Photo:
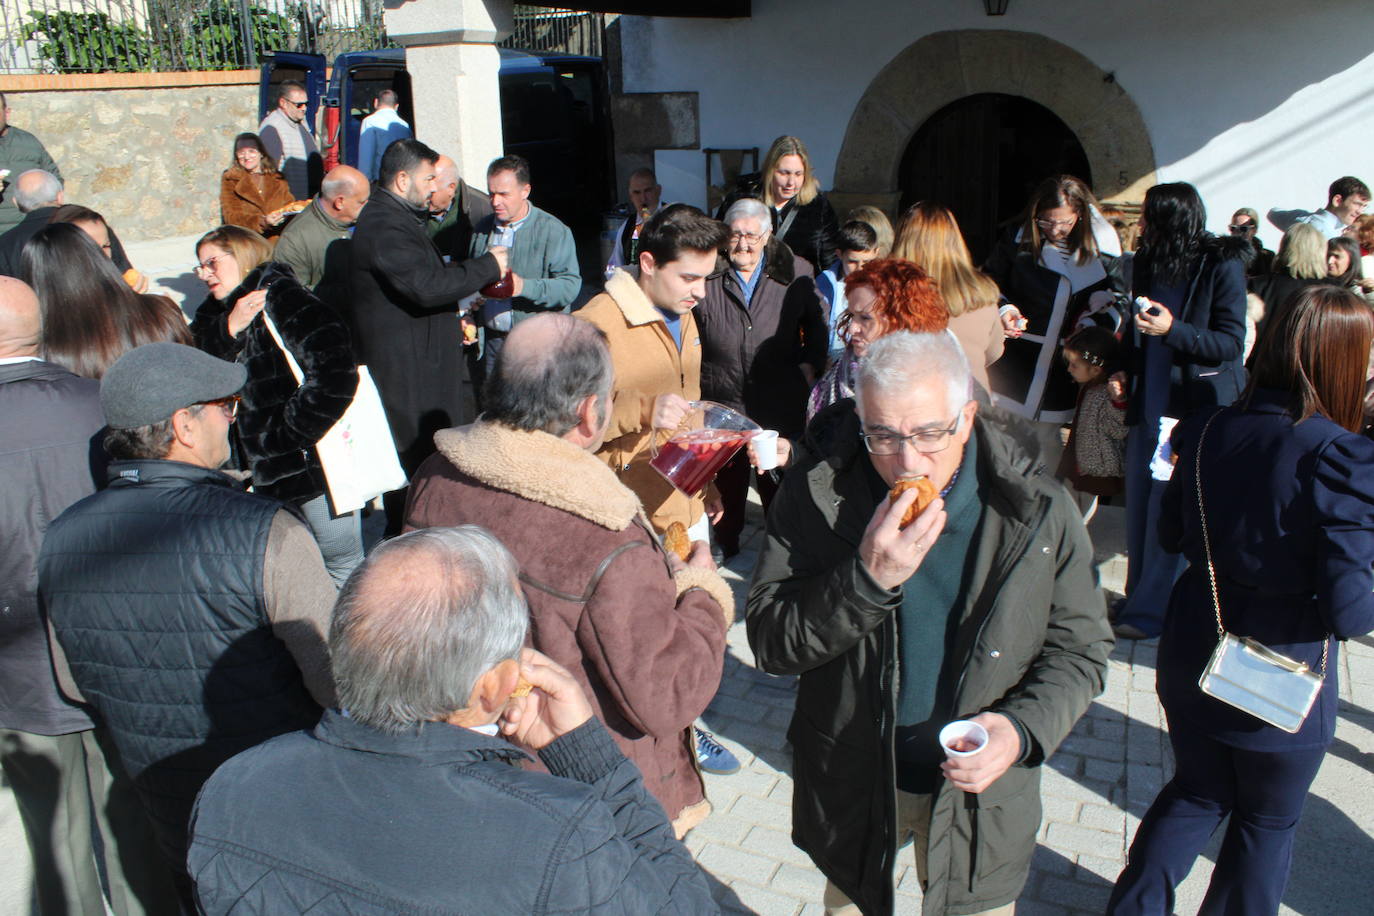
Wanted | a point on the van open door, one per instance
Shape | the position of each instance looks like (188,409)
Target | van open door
(357,79)
(280,66)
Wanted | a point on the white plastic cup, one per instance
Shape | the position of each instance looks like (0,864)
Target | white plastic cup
(765,445)
(961,731)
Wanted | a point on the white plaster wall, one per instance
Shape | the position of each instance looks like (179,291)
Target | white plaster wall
(1258,102)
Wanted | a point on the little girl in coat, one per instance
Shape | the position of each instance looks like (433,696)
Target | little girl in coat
(1094,457)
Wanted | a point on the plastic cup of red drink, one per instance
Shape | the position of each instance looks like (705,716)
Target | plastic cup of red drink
(963,738)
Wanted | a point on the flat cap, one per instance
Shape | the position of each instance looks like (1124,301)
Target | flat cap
(150,383)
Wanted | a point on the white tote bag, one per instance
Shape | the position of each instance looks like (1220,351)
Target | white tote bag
(358,454)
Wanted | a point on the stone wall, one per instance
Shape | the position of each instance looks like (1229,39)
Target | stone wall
(147,157)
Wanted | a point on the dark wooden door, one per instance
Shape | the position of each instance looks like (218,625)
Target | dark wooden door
(982,156)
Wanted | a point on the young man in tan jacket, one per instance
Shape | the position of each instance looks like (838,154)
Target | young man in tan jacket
(656,350)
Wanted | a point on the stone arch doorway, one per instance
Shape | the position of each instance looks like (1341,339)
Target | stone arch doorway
(945,67)
(982,155)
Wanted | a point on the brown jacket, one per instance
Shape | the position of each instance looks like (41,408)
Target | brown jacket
(241,203)
(646,646)
(647,364)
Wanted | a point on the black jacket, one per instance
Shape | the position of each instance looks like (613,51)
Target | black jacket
(280,421)
(439,820)
(1277,288)
(1031,641)
(50,421)
(155,590)
(1207,338)
(751,353)
(452,235)
(404,311)
(812,234)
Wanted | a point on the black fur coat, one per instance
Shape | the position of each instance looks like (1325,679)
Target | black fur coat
(279,421)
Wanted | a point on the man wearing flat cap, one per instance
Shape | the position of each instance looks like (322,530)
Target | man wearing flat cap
(192,615)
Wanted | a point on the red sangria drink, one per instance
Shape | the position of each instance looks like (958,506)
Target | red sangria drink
(502,288)
(690,460)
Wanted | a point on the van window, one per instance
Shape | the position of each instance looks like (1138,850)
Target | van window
(367,82)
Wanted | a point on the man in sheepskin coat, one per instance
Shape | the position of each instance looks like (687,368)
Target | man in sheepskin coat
(641,631)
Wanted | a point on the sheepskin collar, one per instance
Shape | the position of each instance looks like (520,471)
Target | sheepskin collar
(542,468)
(634,305)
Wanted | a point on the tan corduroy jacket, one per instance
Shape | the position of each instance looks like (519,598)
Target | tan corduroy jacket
(647,364)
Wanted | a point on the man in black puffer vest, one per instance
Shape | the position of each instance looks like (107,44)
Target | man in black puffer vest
(192,614)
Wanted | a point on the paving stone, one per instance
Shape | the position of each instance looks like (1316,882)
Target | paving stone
(806,882)
(1100,817)
(1109,771)
(776,844)
(761,812)
(1098,748)
(1080,840)
(766,902)
(1078,894)
(1104,867)
(729,862)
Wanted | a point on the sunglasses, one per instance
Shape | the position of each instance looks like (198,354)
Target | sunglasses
(298,104)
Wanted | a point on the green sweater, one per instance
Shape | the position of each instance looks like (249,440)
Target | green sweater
(19,152)
(544,257)
(925,630)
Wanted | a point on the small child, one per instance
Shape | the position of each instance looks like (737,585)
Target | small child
(1094,458)
(857,246)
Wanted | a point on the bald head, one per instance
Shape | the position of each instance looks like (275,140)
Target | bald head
(21,323)
(343,193)
(446,185)
(549,365)
(37,188)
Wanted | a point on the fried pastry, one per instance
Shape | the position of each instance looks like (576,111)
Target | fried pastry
(925,495)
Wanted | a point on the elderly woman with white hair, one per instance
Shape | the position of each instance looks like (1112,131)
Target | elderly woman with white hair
(763,345)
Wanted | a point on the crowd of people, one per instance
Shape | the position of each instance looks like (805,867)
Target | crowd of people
(494,708)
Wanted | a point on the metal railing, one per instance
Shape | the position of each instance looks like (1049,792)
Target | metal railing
(565,31)
(125,36)
(130,36)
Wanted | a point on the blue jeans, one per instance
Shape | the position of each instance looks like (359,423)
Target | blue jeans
(1150,570)
(1262,791)
(340,538)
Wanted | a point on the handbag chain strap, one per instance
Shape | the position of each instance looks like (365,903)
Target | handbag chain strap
(1207,543)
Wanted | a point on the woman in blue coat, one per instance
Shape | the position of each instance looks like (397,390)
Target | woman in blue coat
(1185,351)
(1288,492)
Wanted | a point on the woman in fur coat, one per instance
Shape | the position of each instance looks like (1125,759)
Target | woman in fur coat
(252,193)
(279,421)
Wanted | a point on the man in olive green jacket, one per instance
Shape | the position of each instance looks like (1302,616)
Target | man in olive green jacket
(984,607)
(315,242)
(19,152)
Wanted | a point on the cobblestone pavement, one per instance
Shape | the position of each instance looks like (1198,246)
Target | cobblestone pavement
(1095,788)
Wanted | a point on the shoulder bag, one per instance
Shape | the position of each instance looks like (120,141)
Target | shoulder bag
(1244,672)
(358,454)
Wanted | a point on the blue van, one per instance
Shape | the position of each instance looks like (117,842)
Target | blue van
(554,111)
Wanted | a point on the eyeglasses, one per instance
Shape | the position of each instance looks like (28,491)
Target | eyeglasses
(208,265)
(297,104)
(1056,223)
(229,405)
(753,238)
(925,441)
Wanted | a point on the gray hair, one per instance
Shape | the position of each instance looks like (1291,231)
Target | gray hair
(41,190)
(904,359)
(748,207)
(539,388)
(139,443)
(420,621)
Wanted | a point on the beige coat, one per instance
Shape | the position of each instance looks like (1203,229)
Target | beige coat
(647,364)
(980,334)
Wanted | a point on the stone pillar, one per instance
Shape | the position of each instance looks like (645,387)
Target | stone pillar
(453,64)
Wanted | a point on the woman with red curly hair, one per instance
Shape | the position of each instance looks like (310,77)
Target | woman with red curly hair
(883,296)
